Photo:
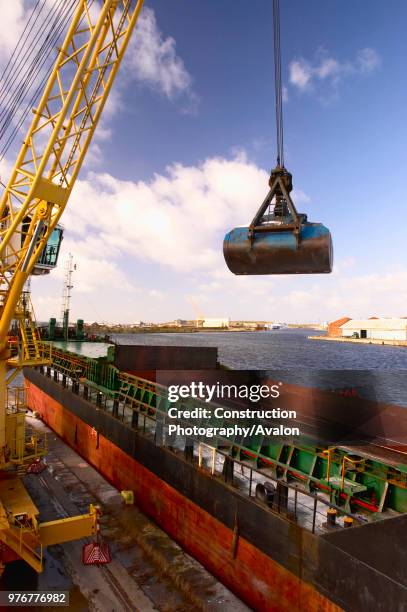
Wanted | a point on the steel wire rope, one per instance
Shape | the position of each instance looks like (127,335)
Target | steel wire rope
(277,83)
(32,71)
(22,93)
(37,91)
(39,88)
(15,75)
(6,75)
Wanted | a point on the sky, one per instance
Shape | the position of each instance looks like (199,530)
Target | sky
(186,145)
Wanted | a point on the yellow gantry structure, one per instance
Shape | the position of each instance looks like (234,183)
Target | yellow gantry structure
(42,180)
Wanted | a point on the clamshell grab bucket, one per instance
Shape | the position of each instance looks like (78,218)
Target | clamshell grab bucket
(279,252)
(279,240)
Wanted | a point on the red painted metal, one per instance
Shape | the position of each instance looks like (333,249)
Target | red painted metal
(36,467)
(96,553)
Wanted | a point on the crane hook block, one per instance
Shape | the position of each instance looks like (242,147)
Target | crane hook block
(279,240)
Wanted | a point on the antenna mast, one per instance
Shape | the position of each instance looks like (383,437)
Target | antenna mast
(66,295)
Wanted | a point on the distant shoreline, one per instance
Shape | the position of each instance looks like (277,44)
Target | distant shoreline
(190,330)
(174,330)
(360,340)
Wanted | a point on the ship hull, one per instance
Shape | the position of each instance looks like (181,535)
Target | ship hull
(270,562)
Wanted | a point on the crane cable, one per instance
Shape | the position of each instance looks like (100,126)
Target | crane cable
(16,76)
(57,19)
(27,79)
(34,69)
(5,76)
(28,70)
(277,83)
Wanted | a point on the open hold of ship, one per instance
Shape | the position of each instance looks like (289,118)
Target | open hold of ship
(269,520)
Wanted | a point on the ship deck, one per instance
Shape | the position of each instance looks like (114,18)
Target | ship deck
(149,572)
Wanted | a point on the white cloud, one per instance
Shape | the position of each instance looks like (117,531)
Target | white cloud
(152,250)
(305,75)
(154,60)
(11,24)
(172,220)
(306,299)
(151,55)
(300,73)
(5,170)
(151,59)
(368,60)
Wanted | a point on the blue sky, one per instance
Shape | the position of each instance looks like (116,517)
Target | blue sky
(190,136)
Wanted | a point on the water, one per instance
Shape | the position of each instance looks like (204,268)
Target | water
(281,349)
(377,371)
(278,349)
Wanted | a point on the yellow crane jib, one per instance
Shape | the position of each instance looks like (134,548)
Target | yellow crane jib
(36,195)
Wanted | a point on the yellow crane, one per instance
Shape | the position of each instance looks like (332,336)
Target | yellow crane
(33,201)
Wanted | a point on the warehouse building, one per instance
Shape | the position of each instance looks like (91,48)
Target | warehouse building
(222,323)
(375,329)
(335,327)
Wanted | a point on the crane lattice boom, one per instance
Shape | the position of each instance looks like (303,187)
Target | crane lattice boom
(58,139)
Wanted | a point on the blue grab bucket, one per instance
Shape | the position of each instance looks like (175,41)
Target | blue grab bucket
(309,251)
